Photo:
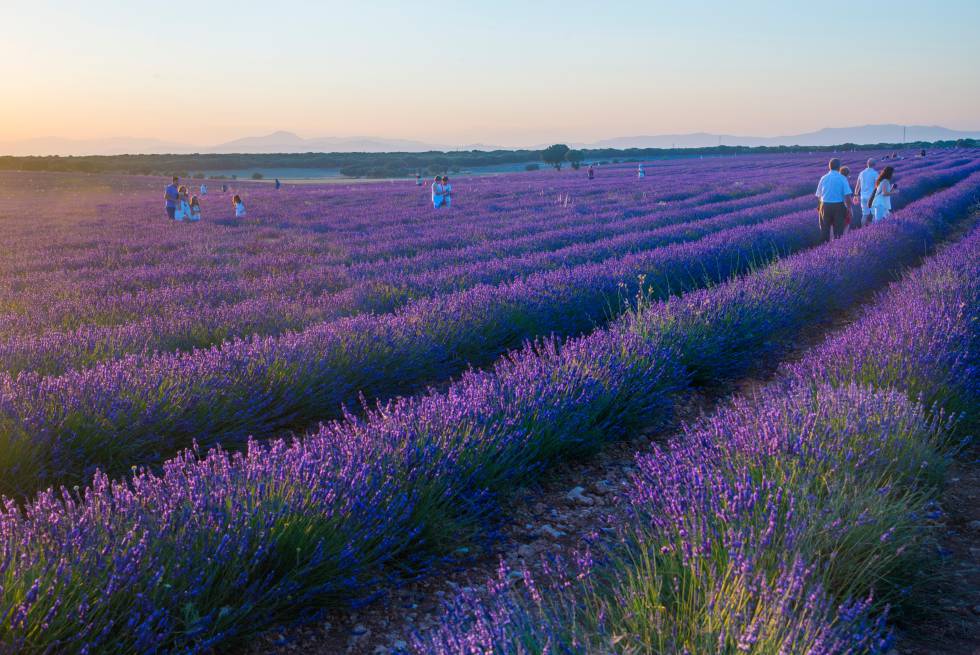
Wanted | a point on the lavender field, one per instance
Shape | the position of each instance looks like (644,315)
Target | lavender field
(210,430)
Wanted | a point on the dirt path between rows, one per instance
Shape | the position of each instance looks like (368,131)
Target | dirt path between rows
(955,629)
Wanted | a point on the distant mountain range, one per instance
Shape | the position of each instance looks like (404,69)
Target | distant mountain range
(287,142)
(278,142)
(828,136)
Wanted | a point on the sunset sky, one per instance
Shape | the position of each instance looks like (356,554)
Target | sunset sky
(501,72)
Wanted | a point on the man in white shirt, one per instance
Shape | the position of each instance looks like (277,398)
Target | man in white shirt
(833,191)
(863,189)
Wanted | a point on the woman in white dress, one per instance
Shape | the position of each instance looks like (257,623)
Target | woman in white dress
(179,214)
(437,194)
(447,192)
(239,206)
(185,204)
(881,198)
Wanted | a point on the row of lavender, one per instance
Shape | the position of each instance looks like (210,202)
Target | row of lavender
(202,303)
(313,290)
(358,218)
(227,255)
(279,282)
(140,410)
(390,220)
(218,546)
(786,522)
(199,314)
(129,275)
(307,225)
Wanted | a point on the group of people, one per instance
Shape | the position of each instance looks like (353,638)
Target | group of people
(873,193)
(181,206)
(442,192)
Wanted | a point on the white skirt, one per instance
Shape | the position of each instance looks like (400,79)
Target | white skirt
(881,212)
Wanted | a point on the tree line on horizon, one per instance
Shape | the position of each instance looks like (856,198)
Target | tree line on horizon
(402,164)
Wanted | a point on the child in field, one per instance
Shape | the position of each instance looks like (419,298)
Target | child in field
(179,209)
(195,210)
(447,192)
(185,203)
(437,194)
(239,206)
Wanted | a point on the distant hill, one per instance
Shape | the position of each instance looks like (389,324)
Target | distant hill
(289,143)
(828,136)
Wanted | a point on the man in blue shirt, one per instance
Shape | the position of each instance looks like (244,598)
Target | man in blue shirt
(170,196)
(833,191)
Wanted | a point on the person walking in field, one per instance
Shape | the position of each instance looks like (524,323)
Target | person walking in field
(437,193)
(239,206)
(591,172)
(640,172)
(278,184)
(171,198)
(447,192)
(881,197)
(832,190)
(864,188)
(418,179)
(204,189)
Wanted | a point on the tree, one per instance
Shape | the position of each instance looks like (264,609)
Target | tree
(555,155)
(575,158)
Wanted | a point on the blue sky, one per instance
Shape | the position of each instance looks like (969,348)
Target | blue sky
(502,72)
